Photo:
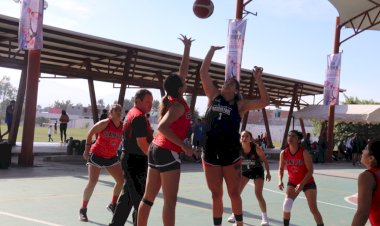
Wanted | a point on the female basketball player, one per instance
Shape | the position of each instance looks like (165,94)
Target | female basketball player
(221,156)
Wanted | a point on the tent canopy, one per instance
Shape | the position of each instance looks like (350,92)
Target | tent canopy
(358,14)
(343,113)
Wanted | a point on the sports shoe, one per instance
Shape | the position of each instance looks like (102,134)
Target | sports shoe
(264,221)
(83,214)
(111,207)
(231,218)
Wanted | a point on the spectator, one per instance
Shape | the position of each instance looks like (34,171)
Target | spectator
(104,114)
(9,117)
(322,146)
(63,120)
(49,133)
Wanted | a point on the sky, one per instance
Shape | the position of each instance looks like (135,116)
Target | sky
(289,38)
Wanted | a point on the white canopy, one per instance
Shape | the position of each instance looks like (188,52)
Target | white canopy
(358,14)
(343,113)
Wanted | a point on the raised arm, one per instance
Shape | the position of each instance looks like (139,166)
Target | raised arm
(184,67)
(208,86)
(247,105)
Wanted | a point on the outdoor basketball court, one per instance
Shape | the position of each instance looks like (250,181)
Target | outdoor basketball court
(50,194)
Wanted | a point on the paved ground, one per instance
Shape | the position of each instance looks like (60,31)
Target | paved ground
(50,193)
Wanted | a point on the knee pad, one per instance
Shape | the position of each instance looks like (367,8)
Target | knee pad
(147,202)
(288,204)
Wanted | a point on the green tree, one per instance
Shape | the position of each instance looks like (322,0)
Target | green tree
(62,104)
(101,104)
(7,93)
(41,120)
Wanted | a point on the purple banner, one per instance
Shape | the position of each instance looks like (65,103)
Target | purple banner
(30,26)
(331,86)
(235,43)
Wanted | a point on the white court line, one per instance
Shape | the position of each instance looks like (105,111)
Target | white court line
(28,219)
(302,197)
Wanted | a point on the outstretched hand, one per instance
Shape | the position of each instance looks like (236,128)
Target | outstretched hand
(186,40)
(257,72)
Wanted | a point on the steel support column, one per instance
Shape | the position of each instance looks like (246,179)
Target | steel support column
(26,156)
(269,142)
(19,102)
(290,115)
(123,85)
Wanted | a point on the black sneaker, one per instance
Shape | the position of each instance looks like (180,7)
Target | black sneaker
(111,207)
(83,214)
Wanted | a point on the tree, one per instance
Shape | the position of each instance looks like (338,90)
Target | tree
(128,104)
(62,104)
(7,93)
(101,104)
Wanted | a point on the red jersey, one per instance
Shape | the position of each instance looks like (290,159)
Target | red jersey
(180,127)
(295,164)
(374,214)
(108,141)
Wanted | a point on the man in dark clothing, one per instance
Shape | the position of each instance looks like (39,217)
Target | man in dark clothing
(104,114)
(9,117)
(136,139)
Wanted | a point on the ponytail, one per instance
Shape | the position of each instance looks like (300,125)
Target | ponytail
(164,104)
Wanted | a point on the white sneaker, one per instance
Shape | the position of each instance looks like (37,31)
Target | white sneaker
(231,218)
(264,222)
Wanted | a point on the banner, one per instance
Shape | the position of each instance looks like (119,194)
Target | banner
(235,43)
(331,86)
(30,26)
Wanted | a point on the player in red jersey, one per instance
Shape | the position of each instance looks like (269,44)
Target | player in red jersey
(300,177)
(163,156)
(103,154)
(369,187)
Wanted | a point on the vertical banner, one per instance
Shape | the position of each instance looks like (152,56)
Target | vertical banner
(331,86)
(30,26)
(235,43)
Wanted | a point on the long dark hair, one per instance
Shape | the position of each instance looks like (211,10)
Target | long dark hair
(172,84)
(238,96)
(374,149)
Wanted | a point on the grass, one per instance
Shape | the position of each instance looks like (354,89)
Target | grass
(41,134)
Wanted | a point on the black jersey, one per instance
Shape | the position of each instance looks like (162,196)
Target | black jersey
(251,159)
(252,166)
(222,132)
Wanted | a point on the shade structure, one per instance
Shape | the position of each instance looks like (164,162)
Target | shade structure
(343,113)
(358,14)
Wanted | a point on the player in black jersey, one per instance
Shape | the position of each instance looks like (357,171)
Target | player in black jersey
(221,156)
(253,164)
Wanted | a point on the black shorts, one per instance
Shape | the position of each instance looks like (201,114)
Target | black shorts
(101,162)
(221,156)
(253,172)
(311,185)
(163,159)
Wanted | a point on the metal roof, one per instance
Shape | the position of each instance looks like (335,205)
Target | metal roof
(77,55)
(360,15)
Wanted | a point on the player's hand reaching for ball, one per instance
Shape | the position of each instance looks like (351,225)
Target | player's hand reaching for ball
(186,40)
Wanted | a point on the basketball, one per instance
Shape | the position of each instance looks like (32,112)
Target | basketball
(203,8)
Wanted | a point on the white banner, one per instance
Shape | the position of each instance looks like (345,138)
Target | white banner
(235,43)
(331,86)
(30,26)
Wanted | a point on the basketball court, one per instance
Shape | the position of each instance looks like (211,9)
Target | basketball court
(50,193)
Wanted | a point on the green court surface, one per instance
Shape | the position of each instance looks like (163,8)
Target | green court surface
(50,194)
